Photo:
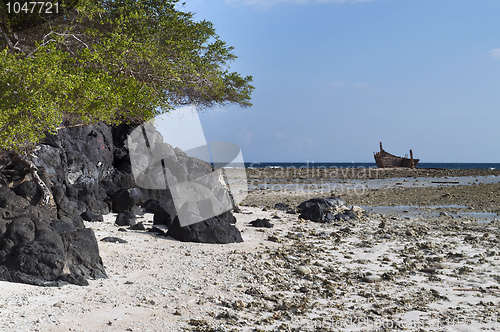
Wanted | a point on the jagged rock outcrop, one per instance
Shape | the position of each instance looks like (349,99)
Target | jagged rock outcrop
(89,173)
(40,247)
(49,245)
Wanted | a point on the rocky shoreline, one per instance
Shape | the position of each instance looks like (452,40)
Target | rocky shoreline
(292,173)
(483,197)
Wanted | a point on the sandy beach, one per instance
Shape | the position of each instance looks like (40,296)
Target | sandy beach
(435,269)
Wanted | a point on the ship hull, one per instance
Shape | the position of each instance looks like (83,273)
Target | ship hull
(394,161)
(384,159)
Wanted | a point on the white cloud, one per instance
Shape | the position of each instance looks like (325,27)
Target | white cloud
(270,3)
(495,54)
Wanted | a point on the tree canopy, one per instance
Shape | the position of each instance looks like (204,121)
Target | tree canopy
(111,61)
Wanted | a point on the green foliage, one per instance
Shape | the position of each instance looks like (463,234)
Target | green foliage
(112,61)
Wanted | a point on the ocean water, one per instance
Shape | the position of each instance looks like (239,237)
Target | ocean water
(371,165)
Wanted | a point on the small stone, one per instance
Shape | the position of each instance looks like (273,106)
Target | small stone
(410,232)
(304,289)
(198,322)
(113,239)
(372,278)
(281,206)
(273,238)
(303,270)
(261,223)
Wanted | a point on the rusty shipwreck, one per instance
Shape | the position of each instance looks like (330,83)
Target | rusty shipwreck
(384,159)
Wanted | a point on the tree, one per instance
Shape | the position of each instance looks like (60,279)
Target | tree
(111,61)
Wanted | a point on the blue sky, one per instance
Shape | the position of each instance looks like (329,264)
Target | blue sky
(333,78)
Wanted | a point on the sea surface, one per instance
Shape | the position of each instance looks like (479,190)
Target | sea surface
(370,165)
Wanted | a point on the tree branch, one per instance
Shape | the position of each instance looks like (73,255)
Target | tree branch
(9,43)
(47,197)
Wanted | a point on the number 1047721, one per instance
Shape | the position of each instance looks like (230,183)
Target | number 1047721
(41,7)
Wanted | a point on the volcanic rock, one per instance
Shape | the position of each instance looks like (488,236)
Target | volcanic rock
(325,210)
(137,227)
(281,206)
(45,253)
(125,219)
(91,216)
(219,229)
(29,191)
(261,223)
(126,199)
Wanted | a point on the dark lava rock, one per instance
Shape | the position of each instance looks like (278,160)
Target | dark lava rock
(304,289)
(281,206)
(219,229)
(10,201)
(261,223)
(126,199)
(346,216)
(319,209)
(137,227)
(88,170)
(325,203)
(125,219)
(44,253)
(164,211)
(79,159)
(313,212)
(29,191)
(113,239)
(151,206)
(157,230)
(91,216)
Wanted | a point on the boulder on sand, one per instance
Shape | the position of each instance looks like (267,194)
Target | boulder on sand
(47,253)
(325,210)
(219,229)
(261,223)
(125,219)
